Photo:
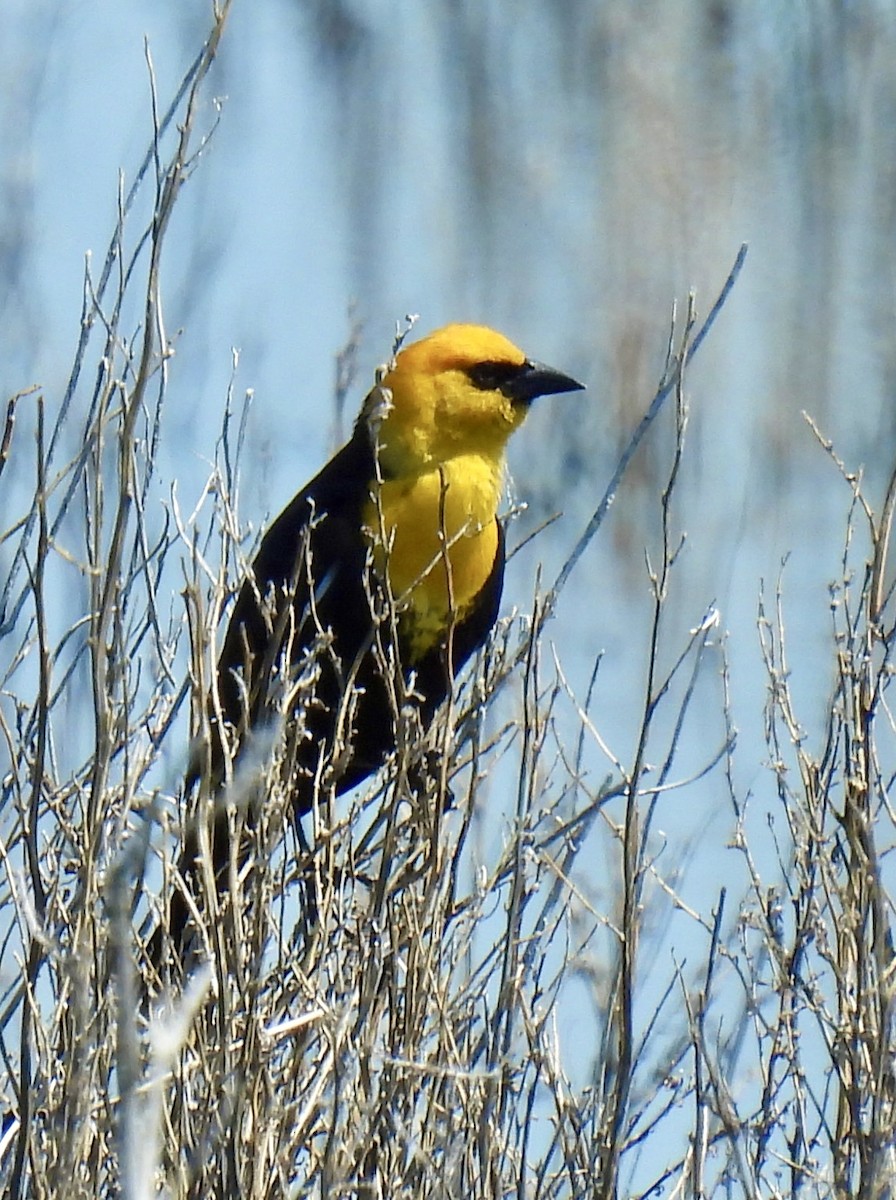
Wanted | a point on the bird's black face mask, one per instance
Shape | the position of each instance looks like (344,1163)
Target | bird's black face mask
(521,383)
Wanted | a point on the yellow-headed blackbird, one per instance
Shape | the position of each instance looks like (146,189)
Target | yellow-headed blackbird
(414,494)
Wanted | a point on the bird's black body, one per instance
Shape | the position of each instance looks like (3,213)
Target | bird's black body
(306,626)
(315,559)
(314,562)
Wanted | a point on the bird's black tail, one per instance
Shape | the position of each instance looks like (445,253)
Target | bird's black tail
(172,942)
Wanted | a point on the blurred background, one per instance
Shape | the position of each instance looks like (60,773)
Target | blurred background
(563,172)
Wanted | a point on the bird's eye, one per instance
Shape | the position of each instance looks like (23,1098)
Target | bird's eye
(492,376)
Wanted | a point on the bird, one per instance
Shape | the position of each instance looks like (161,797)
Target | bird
(410,506)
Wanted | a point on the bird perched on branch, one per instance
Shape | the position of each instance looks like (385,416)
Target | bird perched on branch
(409,506)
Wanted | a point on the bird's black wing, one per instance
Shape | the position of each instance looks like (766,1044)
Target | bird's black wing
(306,580)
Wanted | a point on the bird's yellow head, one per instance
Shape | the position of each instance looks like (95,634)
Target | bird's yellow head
(462,390)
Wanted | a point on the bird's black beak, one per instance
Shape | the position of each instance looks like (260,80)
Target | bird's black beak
(535,379)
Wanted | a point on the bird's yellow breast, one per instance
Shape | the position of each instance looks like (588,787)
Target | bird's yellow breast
(437,534)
